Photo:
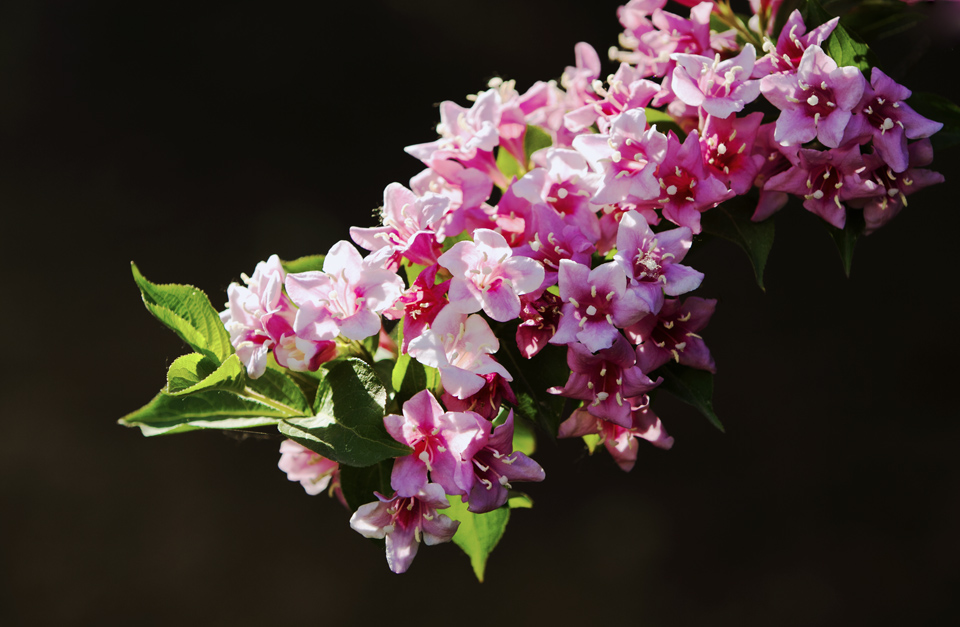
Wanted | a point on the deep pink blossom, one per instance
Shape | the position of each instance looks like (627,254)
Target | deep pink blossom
(792,43)
(606,380)
(496,465)
(443,444)
(816,102)
(727,149)
(404,522)
(420,304)
(627,89)
(596,303)
(553,240)
(619,441)
(539,320)
(674,334)
(487,401)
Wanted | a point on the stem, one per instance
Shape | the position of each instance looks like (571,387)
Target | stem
(726,15)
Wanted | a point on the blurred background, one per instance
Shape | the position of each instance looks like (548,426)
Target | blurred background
(199,139)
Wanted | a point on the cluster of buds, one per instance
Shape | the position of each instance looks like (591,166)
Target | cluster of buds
(581,245)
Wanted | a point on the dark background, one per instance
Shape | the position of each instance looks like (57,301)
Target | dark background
(199,139)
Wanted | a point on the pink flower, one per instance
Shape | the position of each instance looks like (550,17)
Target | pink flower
(346,298)
(720,88)
(487,276)
(792,43)
(674,334)
(459,347)
(619,441)
(552,241)
(443,444)
(727,149)
(404,522)
(487,401)
(816,102)
(420,304)
(539,321)
(314,472)
(496,465)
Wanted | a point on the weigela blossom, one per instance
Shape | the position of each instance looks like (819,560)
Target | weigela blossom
(720,88)
(606,380)
(596,303)
(539,319)
(443,444)
(627,157)
(651,260)
(459,346)
(346,298)
(815,103)
(727,149)
(883,117)
(404,522)
(627,89)
(674,334)
(619,441)
(792,43)
(419,305)
(409,227)
(487,401)
(314,471)
(487,276)
(551,240)
(496,465)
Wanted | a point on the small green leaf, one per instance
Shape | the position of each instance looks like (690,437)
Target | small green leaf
(212,409)
(692,386)
(943,110)
(519,500)
(508,164)
(308,263)
(664,122)
(535,139)
(359,484)
(524,439)
(348,425)
(846,238)
(731,221)
(188,312)
(592,440)
(842,46)
(477,534)
(194,373)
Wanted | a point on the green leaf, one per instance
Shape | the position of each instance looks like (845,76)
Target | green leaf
(592,440)
(348,425)
(277,385)
(846,238)
(842,46)
(409,376)
(211,409)
(692,386)
(664,121)
(308,263)
(535,139)
(194,373)
(477,534)
(519,500)
(188,312)
(524,439)
(359,484)
(507,164)
(731,221)
(943,110)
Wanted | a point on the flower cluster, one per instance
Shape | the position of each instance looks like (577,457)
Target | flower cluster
(558,221)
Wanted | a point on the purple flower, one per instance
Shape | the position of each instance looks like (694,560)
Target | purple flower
(674,334)
(816,102)
(619,441)
(885,118)
(539,321)
(443,444)
(496,465)
(596,302)
(553,240)
(404,522)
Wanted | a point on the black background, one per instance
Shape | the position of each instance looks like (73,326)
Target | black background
(199,139)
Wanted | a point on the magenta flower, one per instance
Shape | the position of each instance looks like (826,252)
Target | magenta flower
(552,241)
(420,304)
(720,88)
(792,43)
(816,102)
(774,159)
(409,227)
(487,276)
(606,380)
(443,444)
(459,347)
(685,187)
(404,522)
(826,179)
(314,471)
(596,303)
(727,149)
(539,321)
(651,260)
(619,441)
(878,210)
(674,334)
(627,89)
(496,465)
(885,118)
(627,157)
(346,298)
(487,401)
